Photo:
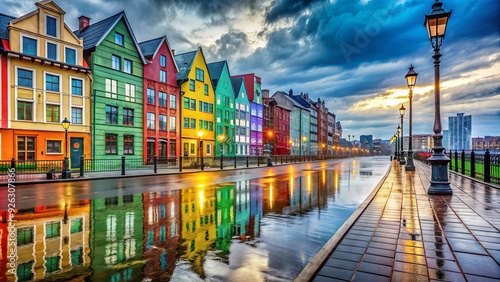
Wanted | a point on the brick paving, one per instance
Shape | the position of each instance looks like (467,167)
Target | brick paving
(406,235)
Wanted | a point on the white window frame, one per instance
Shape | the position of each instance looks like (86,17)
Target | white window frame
(45,112)
(71,115)
(47,42)
(129,92)
(110,94)
(57,25)
(45,73)
(22,43)
(76,54)
(33,80)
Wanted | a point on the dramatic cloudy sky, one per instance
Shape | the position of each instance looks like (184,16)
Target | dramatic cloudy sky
(353,54)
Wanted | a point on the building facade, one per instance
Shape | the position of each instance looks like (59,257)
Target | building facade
(224,108)
(460,132)
(242,117)
(197,105)
(44,80)
(331,132)
(117,63)
(491,143)
(161,100)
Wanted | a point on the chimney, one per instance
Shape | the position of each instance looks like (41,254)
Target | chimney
(173,52)
(83,23)
(265,93)
(290,92)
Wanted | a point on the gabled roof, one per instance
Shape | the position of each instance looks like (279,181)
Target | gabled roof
(4,22)
(289,98)
(95,33)
(215,70)
(185,62)
(299,99)
(151,47)
(236,82)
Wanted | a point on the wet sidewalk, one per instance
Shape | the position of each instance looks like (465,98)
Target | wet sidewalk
(403,234)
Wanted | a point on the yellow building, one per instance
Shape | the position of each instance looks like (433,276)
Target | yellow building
(197,105)
(48,82)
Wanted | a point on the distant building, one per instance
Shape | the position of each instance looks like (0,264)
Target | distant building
(460,130)
(366,142)
(421,142)
(491,143)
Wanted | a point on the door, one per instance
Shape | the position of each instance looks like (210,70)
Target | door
(76,145)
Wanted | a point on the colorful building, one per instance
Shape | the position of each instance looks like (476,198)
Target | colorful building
(224,197)
(242,117)
(161,96)
(44,80)
(311,141)
(322,126)
(117,63)
(197,105)
(278,126)
(254,91)
(224,108)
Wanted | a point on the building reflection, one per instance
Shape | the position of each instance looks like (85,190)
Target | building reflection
(198,231)
(224,197)
(52,242)
(116,238)
(161,233)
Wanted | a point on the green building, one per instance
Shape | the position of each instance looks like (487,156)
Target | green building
(224,108)
(113,54)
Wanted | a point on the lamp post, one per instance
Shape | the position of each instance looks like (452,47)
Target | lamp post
(402,160)
(66,173)
(304,140)
(411,80)
(395,140)
(436,27)
(398,132)
(221,138)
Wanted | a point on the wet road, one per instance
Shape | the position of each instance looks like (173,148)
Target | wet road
(259,224)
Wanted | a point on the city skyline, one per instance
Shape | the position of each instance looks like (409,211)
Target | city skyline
(352,54)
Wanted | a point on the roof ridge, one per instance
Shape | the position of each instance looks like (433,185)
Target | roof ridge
(146,41)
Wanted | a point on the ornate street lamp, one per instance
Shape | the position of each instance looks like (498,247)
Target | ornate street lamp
(402,160)
(398,133)
(411,80)
(66,173)
(436,24)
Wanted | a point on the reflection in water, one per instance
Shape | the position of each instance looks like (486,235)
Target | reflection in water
(243,230)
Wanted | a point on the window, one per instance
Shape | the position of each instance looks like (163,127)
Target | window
(70,56)
(76,225)
(172,123)
(162,97)
(24,78)
(25,271)
(25,148)
(128,144)
(52,230)
(129,92)
(191,149)
(173,101)
(128,116)
(25,236)
(163,61)
(163,122)
(192,105)
(209,149)
(52,263)
(151,96)
(163,76)
(76,115)
(29,46)
(77,256)
(193,123)
(186,122)
(52,113)
(151,121)
(52,82)
(115,62)
(51,51)
(205,89)
(111,146)
(111,88)
(191,85)
(118,38)
(76,86)
(199,74)
(24,110)
(111,114)
(53,147)
(186,103)
(127,66)
(51,26)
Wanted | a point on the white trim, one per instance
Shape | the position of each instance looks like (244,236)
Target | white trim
(47,50)
(61,108)
(57,25)
(70,101)
(21,49)
(76,55)
(16,99)
(71,114)
(46,146)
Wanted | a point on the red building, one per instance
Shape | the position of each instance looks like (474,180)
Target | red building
(276,127)
(161,99)
(322,127)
